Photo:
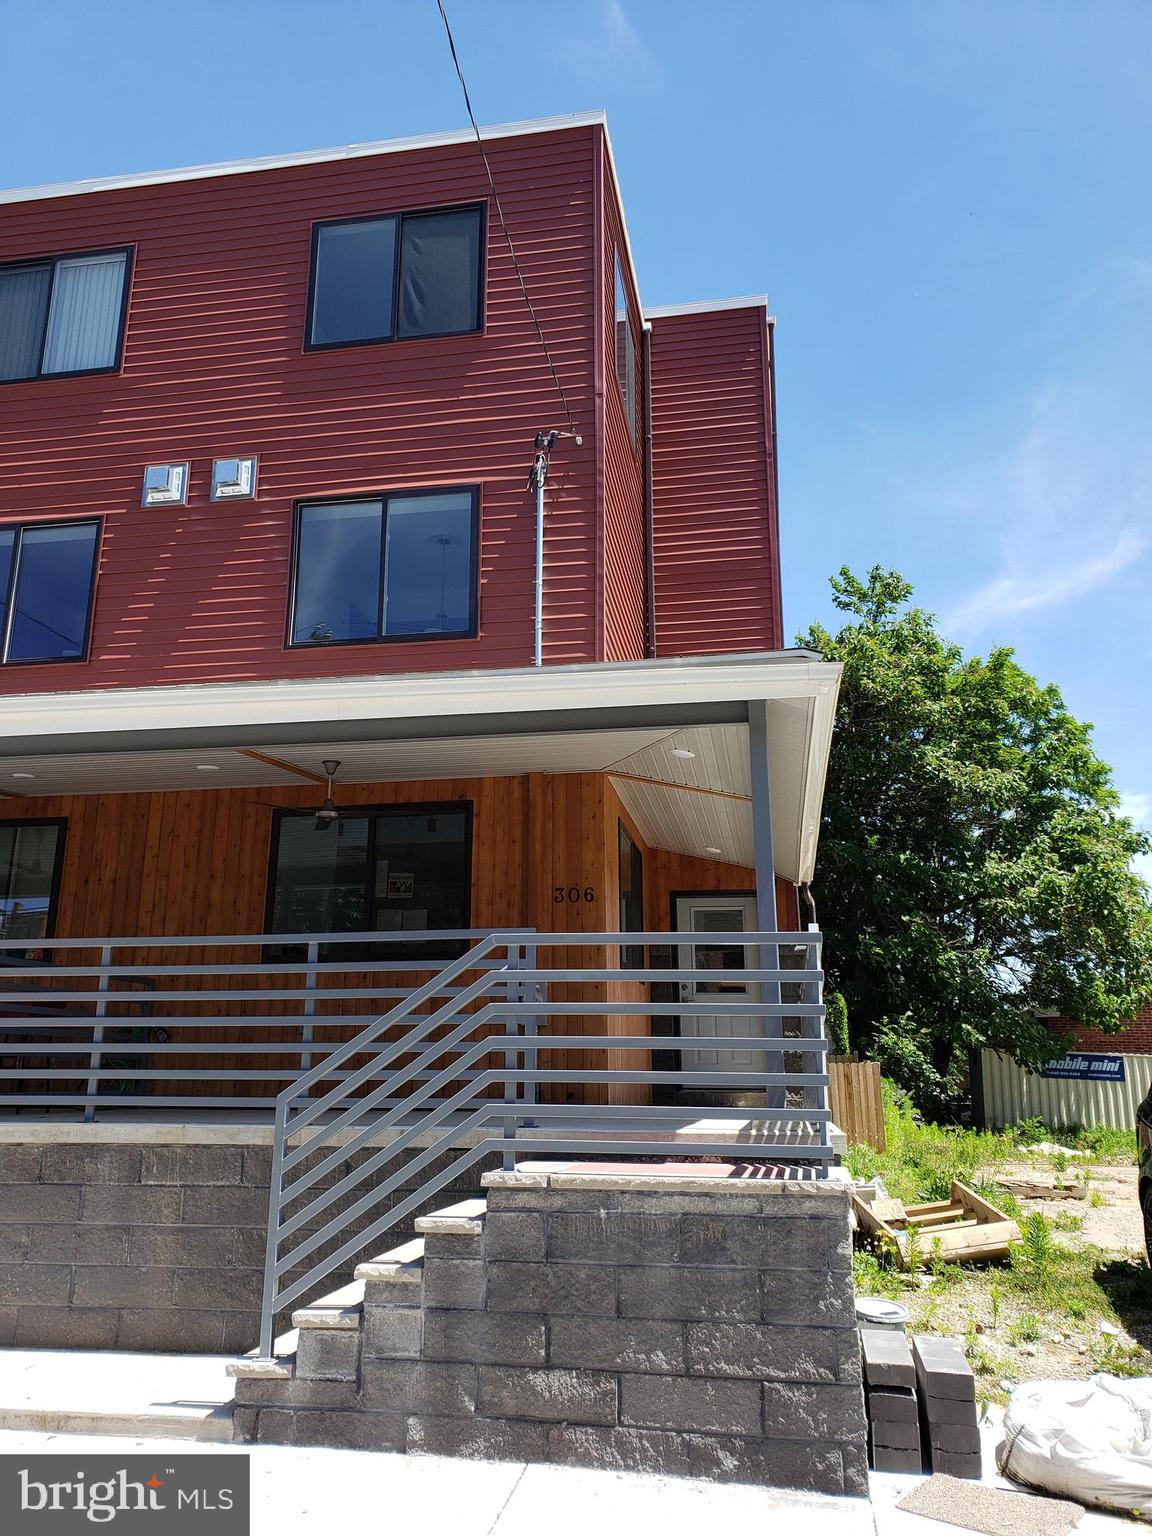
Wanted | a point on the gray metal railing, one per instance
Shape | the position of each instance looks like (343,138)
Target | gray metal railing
(201,1021)
(409,1116)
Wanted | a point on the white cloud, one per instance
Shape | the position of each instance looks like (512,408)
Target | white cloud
(1068,579)
(1064,509)
(601,42)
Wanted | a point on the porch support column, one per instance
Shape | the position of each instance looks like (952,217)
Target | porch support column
(764,864)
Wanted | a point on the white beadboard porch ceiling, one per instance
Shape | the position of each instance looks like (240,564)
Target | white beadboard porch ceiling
(629,720)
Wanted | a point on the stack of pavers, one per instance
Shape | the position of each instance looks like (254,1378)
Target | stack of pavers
(893,1415)
(948,1414)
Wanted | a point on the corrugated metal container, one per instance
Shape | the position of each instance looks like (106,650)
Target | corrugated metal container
(715,543)
(1011,1094)
(214,366)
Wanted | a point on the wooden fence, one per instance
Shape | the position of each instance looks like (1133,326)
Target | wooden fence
(854,1098)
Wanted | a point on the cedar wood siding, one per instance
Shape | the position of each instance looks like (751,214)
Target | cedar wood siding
(715,540)
(624,586)
(214,365)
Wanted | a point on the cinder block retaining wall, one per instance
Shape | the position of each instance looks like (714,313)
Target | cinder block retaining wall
(694,1327)
(151,1246)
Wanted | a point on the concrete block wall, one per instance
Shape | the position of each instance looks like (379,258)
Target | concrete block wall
(686,1326)
(111,1243)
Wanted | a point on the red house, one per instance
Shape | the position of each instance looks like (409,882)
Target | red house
(277,748)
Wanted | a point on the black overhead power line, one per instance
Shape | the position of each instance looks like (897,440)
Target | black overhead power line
(504,222)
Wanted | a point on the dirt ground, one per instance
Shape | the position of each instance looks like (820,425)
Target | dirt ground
(1011,1338)
(1115,1225)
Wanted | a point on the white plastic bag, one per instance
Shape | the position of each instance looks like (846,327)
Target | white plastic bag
(1089,1441)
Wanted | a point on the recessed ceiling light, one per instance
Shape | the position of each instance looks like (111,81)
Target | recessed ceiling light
(713,850)
(682,752)
(208,767)
(23,775)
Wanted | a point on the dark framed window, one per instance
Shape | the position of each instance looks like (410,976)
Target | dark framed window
(47,575)
(396,276)
(31,854)
(63,315)
(389,869)
(631,882)
(626,354)
(393,567)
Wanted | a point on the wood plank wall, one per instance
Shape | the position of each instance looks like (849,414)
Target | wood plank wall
(196,861)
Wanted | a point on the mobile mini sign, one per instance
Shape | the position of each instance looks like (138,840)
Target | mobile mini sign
(1087,1069)
(144,1495)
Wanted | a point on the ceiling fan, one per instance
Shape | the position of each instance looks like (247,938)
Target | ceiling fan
(327,813)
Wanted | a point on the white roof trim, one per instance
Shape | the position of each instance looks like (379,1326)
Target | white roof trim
(706,306)
(303,157)
(483,694)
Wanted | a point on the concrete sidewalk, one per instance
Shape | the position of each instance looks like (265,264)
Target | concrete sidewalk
(298,1491)
(87,1401)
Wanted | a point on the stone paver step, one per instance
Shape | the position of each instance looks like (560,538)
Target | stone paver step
(404,1264)
(464,1219)
(339,1309)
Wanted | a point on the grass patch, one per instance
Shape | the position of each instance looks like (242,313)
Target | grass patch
(1038,1313)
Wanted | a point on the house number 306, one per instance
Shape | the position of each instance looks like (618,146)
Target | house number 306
(573,893)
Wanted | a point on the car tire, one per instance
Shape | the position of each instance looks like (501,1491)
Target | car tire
(1146,1211)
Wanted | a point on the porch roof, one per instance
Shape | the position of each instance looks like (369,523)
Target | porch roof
(633,720)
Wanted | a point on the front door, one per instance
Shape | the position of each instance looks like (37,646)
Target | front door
(701,915)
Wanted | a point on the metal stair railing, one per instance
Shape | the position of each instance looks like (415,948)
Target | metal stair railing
(439,1094)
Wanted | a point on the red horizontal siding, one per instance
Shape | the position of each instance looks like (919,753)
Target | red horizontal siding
(715,540)
(624,595)
(214,365)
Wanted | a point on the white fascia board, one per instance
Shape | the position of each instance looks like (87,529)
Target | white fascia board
(480,697)
(707,306)
(303,157)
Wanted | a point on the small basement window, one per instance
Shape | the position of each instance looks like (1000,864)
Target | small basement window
(398,567)
(47,572)
(396,277)
(62,315)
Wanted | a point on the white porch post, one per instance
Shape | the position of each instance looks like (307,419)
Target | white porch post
(765,867)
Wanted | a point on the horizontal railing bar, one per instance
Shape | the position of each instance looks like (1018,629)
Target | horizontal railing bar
(694,1079)
(528,1114)
(251,940)
(704,940)
(189,1021)
(500,1043)
(321,968)
(706,1005)
(238,996)
(671,973)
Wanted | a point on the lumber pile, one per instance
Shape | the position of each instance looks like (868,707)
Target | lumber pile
(965,1228)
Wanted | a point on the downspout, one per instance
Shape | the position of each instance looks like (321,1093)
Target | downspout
(649,507)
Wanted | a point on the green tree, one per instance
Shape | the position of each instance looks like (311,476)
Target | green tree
(975,872)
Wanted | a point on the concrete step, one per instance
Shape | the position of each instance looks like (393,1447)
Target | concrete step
(98,1392)
(464,1219)
(339,1309)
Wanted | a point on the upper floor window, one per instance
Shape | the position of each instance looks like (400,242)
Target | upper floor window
(62,315)
(626,352)
(396,567)
(400,276)
(46,577)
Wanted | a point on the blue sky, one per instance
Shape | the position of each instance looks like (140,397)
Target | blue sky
(948,204)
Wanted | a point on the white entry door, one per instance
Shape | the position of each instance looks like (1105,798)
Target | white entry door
(701,915)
